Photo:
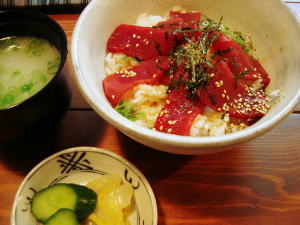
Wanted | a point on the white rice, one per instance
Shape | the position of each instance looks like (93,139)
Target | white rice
(149,100)
(210,123)
(145,20)
(117,62)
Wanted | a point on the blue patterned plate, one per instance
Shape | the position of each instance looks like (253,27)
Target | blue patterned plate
(80,165)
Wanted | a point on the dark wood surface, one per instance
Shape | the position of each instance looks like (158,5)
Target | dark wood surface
(257,183)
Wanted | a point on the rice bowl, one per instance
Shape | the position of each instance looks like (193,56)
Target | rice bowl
(88,52)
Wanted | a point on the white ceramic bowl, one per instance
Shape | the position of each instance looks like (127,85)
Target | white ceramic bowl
(80,165)
(275,33)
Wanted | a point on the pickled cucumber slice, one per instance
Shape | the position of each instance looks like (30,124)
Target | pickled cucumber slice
(48,201)
(63,217)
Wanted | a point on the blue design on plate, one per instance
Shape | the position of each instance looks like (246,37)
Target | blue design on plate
(74,161)
(129,179)
(28,200)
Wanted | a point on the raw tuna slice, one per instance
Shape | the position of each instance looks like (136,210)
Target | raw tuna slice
(225,93)
(180,74)
(140,42)
(178,114)
(147,72)
(179,20)
(170,25)
(241,64)
(190,19)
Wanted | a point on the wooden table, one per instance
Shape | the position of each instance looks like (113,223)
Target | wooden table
(257,183)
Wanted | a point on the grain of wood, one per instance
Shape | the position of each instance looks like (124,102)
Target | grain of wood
(256,183)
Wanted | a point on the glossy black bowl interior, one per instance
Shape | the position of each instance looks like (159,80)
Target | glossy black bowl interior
(50,104)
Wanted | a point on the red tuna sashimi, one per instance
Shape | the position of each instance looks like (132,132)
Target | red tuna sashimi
(180,74)
(239,62)
(190,19)
(260,72)
(222,87)
(140,42)
(179,20)
(147,72)
(178,114)
(171,26)
(251,105)
(224,93)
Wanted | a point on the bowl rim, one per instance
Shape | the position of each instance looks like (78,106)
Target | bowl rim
(131,129)
(94,150)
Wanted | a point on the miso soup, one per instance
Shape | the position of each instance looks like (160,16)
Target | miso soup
(27,64)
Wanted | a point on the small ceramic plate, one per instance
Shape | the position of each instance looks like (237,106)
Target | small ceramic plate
(80,165)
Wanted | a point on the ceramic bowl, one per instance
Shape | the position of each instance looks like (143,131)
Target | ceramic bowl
(80,165)
(49,105)
(274,31)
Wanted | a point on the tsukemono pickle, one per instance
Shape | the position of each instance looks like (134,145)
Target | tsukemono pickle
(27,64)
(101,189)
(186,75)
(105,200)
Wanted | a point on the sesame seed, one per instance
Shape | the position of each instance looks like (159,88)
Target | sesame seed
(161,127)
(168,102)
(113,96)
(172,122)
(169,130)
(189,112)
(154,75)
(134,35)
(128,45)
(219,83)
(137,45)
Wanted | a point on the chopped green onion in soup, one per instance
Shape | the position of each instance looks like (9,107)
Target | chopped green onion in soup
(27,64)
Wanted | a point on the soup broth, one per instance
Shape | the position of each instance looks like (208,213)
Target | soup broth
(27,64)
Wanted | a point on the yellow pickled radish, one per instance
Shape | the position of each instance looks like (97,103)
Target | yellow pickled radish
(93,219)
(120,197)
(104,185)
(114,197)
(108,216)
(107,181)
